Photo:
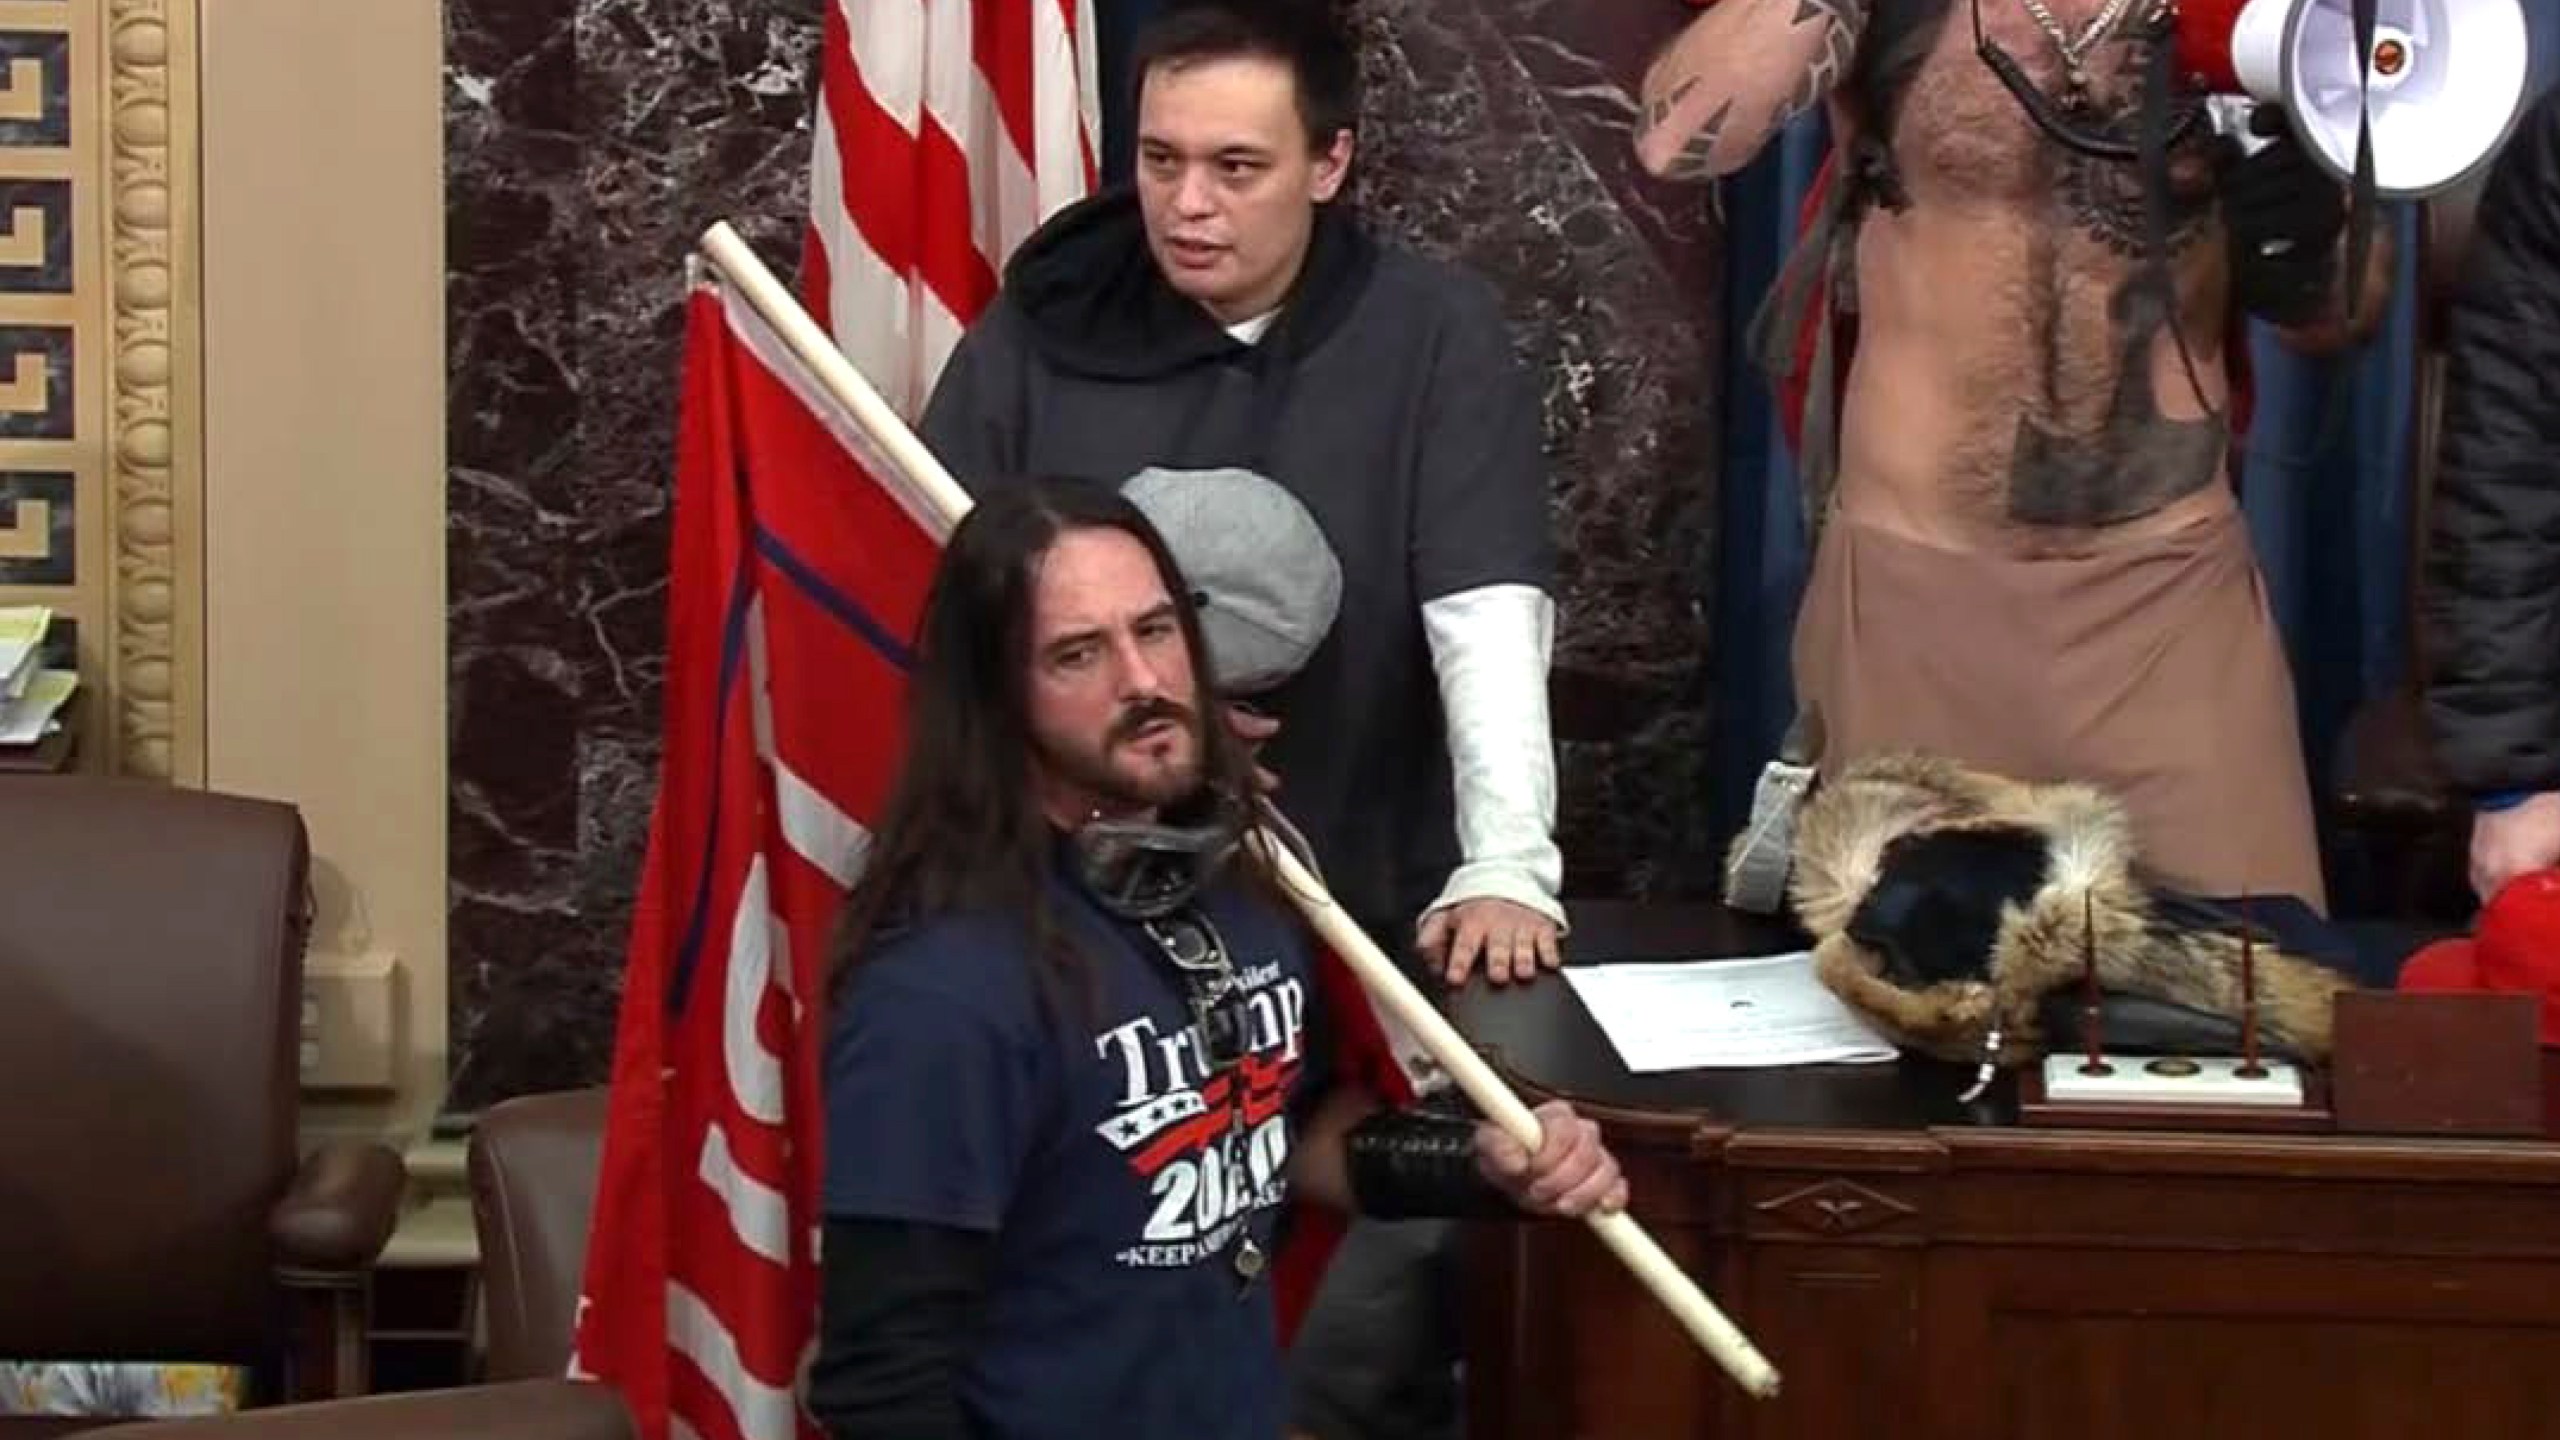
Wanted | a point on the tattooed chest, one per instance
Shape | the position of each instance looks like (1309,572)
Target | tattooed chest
(2087,410)
(2085,399)
(1962,136)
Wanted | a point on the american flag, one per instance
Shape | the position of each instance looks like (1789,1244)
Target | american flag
(946,131)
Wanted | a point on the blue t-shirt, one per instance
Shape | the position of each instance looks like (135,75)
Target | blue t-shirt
(1113,1170)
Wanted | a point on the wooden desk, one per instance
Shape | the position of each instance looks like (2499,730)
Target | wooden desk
(1922,1270)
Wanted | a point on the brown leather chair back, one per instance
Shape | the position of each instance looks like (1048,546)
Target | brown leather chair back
(151,942)
(533,1182)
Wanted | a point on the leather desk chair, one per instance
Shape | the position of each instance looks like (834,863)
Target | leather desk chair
(534,1161)
(525,1410)
(153,1207)
(533,1164)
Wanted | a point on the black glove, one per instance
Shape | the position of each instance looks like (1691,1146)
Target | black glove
(1406,1164)
(2282,214)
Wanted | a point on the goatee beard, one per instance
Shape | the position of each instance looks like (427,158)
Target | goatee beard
(1120,788)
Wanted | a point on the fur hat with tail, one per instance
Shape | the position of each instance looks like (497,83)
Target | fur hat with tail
(1944,899)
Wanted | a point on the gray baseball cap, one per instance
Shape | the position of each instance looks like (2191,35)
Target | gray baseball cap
(1267,581)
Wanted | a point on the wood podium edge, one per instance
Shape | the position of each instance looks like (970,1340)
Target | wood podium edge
(1685,1128)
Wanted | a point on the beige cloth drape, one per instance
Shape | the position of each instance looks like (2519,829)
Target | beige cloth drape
(2149,665)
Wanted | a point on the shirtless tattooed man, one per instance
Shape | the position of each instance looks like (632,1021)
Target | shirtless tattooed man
(2030,556)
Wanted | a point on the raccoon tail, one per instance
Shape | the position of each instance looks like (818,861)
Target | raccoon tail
(2194,956)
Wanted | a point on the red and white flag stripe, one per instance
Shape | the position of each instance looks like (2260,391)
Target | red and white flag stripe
(947,130)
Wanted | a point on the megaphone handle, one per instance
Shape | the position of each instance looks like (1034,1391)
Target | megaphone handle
(2230,117)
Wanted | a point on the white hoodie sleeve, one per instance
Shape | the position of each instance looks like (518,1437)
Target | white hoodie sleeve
(1490,647)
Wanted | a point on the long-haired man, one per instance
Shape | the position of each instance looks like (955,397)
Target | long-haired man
(1075,1069)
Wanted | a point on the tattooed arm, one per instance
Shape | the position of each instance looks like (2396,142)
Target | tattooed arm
(1738,74)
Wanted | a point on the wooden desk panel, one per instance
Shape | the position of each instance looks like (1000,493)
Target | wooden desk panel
(2098,1344)
(1917,1268)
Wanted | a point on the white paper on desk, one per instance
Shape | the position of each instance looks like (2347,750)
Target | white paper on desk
(1720,1014)
(23,721)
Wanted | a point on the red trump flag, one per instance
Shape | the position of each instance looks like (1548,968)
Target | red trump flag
(799,564)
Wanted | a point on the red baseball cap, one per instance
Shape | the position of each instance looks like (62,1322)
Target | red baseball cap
(2514,949)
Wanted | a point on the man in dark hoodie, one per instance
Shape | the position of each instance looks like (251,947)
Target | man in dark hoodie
(1225,313)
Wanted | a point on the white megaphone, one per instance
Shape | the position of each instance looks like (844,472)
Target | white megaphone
(2446,78)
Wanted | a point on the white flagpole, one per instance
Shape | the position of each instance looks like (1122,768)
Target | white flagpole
(1706,1324)
(735,259)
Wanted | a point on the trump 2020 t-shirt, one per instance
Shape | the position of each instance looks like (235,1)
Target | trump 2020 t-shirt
(1115,1170)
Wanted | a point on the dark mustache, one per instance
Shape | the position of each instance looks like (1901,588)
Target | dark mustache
(1143,714)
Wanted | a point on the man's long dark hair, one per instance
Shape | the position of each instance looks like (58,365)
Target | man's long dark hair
(963,830)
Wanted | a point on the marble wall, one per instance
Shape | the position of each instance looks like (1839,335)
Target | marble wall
(1497,132)
(590,140)
(588,143)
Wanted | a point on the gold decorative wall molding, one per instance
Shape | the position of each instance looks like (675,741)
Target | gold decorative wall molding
(158,598)
(101,445)
(28,535)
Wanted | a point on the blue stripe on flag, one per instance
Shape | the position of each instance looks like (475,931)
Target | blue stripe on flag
(835,602)
(733,656)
